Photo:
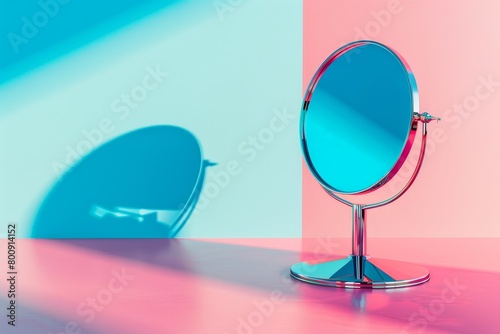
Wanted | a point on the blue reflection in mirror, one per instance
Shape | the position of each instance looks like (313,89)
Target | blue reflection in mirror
(143,184)
(358,119)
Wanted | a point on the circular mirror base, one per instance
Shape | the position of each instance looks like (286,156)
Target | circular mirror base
(374,273)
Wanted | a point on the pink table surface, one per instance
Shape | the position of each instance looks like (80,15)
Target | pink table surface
(243,286)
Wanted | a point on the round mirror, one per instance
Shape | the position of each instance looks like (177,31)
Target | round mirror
(358,123)
(357,118)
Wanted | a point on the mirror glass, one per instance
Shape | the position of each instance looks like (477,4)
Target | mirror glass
(357,118)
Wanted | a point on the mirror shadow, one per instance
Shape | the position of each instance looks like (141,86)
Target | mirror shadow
(144,184)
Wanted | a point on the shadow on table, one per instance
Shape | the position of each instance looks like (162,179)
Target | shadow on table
(31,321)
(446,302)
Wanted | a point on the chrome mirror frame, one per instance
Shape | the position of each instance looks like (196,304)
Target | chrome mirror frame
(359,270)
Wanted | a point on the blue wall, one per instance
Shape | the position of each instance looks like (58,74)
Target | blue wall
(227,71)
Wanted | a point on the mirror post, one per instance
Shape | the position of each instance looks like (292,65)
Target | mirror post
(358,239)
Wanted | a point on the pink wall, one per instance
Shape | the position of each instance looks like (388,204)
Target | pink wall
(453,48)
